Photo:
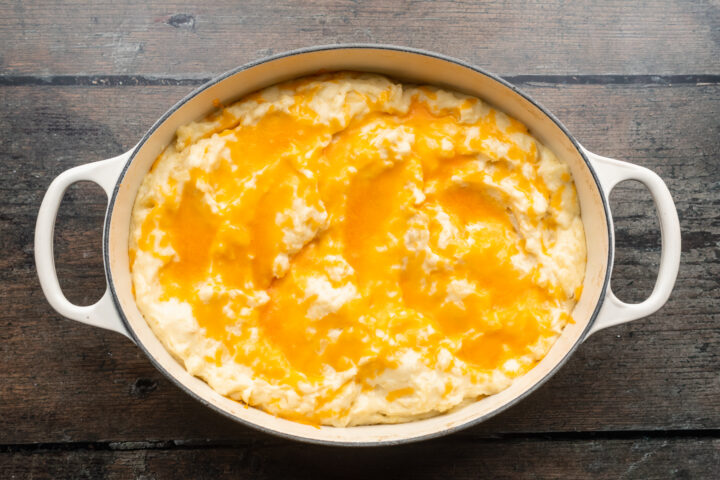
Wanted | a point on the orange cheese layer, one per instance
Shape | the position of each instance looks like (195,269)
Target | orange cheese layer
(310,247)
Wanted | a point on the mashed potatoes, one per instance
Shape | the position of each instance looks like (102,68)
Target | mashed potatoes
(343,250)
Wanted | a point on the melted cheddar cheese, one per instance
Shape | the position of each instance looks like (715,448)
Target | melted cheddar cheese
(343,249)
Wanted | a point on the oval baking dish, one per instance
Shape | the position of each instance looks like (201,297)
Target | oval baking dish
(594,177)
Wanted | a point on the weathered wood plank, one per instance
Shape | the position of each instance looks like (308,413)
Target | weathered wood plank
(499,458)
(654,374)
(182,38)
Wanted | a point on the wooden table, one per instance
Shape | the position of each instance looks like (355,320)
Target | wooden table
(639,81)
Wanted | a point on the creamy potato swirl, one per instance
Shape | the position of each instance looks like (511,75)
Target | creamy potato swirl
(344,249)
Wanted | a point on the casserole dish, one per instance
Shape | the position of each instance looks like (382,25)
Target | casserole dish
(594,178)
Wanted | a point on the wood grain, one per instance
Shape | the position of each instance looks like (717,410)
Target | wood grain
(646,459)
(189,39)
(640,81)
(66,382)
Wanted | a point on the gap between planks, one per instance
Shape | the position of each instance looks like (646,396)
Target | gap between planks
(536,80)
(196,444)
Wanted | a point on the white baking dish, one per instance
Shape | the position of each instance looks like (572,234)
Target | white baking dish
(594,176)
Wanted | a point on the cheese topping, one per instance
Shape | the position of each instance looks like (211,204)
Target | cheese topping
(343,249)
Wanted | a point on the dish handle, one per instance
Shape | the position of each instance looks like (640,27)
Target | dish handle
(614,311)
(103,313)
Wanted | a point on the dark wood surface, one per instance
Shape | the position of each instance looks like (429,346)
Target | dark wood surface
(83,81)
